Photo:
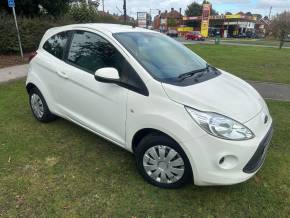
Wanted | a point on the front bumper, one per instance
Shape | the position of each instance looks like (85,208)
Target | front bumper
(258,158)
(216,161)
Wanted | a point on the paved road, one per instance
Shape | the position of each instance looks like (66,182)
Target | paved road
(12,73)
(211,42)
(253,45)
(268,90)
(273,91)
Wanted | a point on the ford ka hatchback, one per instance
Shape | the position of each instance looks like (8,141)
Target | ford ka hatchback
(183,119)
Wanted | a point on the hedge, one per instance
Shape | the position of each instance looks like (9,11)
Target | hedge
(32,30)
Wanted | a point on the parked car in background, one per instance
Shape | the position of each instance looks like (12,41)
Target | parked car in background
(242,36)
(246,35)
(183,119)
(172,33)
(213,32)
(194,36)
(251,35)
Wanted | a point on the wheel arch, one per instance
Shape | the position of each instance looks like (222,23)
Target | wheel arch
(30,86)
(140,134)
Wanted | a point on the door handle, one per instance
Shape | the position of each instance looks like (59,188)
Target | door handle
(62,74)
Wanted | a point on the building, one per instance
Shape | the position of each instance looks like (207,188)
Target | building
(261,26)
(168,20)
(226,25)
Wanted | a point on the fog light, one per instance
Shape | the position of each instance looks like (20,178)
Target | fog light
(228,162)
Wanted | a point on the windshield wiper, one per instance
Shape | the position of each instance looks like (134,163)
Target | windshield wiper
(192,73)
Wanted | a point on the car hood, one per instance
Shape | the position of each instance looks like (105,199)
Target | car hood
(226,94)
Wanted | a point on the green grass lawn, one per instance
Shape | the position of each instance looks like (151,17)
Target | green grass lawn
(251,63)
(62,170)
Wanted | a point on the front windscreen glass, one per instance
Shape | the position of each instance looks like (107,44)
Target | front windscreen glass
(164,58)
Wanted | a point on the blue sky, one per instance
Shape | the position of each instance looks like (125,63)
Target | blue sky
(234,6)
(222,6)
(254,6)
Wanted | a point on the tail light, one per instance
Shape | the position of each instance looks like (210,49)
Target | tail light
(32,55)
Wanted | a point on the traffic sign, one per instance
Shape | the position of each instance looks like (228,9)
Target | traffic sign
(11,3)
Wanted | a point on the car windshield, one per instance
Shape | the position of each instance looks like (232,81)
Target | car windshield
(164,58)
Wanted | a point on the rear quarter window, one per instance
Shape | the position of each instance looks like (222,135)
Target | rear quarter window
(55,45)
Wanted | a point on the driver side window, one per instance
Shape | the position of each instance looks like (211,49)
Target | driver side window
(92,52)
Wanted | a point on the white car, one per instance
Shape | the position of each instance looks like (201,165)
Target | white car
(183,119)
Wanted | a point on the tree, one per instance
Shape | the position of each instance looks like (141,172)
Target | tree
(171,22)
(213,12)
(83,13)
(259,16)
(248,13)
(31,8)
(55,7)
(95,3)
(280,26)
(195,9)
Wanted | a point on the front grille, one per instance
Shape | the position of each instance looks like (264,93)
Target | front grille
(260,154)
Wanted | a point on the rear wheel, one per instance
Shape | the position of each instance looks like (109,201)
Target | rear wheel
(39,106)
(162,162)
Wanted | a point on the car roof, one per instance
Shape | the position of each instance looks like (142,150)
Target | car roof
(104,27)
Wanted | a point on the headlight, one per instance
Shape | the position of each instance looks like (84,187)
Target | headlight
(220,126)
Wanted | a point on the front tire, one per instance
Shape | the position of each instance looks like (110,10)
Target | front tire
(39,107)
(162,162)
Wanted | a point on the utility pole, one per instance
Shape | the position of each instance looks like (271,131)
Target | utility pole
(103,1)
(270,12)
(125,11)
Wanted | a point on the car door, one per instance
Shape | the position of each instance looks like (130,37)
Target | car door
(49,60)
(101,107)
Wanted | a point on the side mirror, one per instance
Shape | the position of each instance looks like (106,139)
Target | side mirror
(107,75)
